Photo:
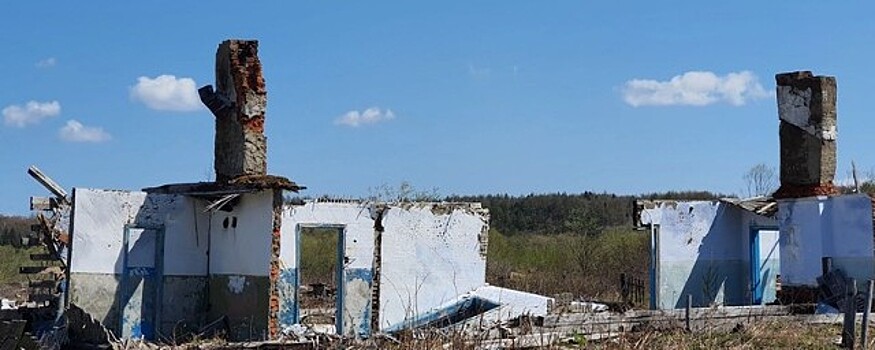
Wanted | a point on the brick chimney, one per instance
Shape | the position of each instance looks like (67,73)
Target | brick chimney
(238,104)
(807,111)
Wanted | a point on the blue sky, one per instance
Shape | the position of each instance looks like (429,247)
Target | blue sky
(492,97)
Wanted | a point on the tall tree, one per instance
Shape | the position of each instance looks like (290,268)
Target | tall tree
(760,180)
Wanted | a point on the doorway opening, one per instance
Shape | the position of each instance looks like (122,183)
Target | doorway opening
(320,276)
(765,263)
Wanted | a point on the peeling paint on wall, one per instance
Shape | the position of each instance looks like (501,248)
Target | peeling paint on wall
(288,306)
(429,253)
(429,257)
(239,253)
(703,250)
(236,284)
(358,230)
(357,293)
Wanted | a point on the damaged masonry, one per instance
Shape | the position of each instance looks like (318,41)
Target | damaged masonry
(784,248)
(225,255)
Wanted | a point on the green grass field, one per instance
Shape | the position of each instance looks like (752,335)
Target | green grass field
(587,266)
(11,282)
(318,255)
(11,259)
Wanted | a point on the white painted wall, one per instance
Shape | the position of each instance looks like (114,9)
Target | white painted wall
(683,225)
(429,257)
(512,303)
(99,218)
(703,245)
(814,227)
(244,249)
(357,221)
(354,216)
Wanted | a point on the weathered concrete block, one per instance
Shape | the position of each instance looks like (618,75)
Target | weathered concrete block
(807,111)
(244,300)
(239,104)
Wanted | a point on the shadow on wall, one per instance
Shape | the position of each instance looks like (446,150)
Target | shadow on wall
(717,267)
(136,304)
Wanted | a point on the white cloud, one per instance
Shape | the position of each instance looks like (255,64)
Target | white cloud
(31,113)
(47,63)
(74,131)
(694,88)
(167,93)
(371,115)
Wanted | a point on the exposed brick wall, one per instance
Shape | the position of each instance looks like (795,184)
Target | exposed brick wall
(274,306)
(239,103)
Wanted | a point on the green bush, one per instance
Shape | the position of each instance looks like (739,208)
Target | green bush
(584,265)
(318,255)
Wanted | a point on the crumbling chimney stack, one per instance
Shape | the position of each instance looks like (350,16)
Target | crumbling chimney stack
(238,103)
(807,112)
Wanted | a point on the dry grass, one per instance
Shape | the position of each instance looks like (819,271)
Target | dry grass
(766,335)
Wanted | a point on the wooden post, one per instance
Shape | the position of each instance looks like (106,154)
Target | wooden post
(850,315)
(623,288)
(864,339)
(687,313)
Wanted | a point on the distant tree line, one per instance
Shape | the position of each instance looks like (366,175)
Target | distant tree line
(586,213)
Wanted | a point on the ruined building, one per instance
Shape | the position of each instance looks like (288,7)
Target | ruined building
(738,251)
(171,259)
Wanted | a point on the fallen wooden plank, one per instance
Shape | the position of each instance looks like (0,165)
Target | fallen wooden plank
(48,183)
(42,203)
(43,257)
(649,315)
(43,284)
(27,270)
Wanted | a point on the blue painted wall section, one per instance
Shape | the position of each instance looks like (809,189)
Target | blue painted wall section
(703,249)
(139,290)
(354,296)
(287,287)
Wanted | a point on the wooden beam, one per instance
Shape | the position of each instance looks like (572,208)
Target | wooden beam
(43,284)
(31,270)
(42,203)
(43,257)
(47,182)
